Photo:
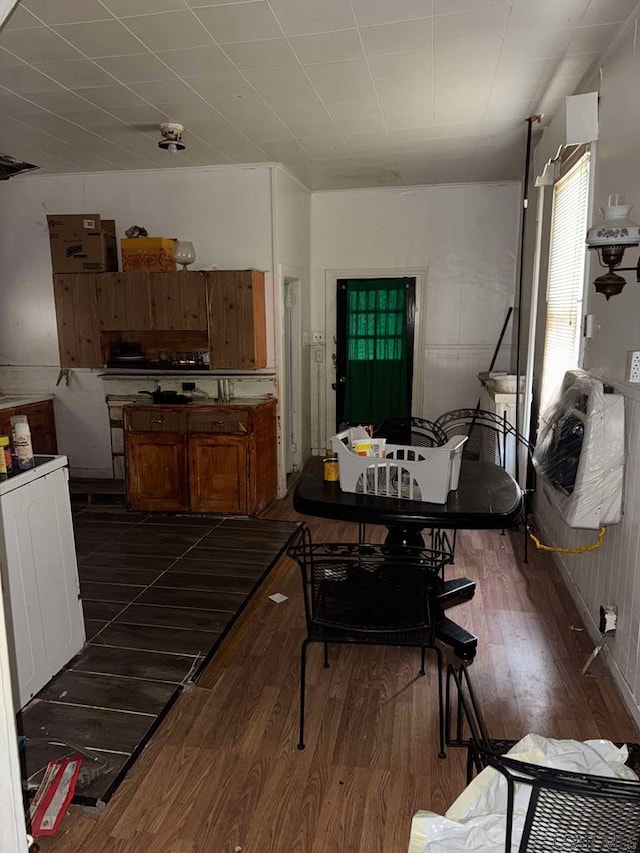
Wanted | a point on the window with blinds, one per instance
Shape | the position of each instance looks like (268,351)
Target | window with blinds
(565,284)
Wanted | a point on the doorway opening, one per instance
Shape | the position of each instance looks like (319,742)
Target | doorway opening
(375,326)
(292,377)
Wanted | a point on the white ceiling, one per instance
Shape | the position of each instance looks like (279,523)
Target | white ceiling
(345,93)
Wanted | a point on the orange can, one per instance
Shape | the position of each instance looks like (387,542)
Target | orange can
(331,472)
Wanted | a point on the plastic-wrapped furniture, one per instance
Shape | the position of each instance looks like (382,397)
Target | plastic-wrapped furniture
(566,810)
(369,594)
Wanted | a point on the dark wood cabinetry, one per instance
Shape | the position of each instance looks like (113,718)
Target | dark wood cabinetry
(201,458)
(219,310)
(41,425)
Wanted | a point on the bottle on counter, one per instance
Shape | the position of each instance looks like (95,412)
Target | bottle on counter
(3,463)
(5,449)
(22,442)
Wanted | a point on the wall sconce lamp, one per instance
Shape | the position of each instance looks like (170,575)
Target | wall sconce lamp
(610,238)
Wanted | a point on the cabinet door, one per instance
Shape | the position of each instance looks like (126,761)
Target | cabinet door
(123,301)
(218,470)
(156,471)
(41,425)
(237,326)
(178,301)
(77,319)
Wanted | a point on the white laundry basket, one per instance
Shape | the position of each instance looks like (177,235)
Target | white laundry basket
(410,473)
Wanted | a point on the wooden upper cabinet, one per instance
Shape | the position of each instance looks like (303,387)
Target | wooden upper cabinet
(237,325)
(178,301)
(77,316)
(123,301)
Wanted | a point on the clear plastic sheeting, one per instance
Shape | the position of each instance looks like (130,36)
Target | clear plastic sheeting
(475,823)
(580,452)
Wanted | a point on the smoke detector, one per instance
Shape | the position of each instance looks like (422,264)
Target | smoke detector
(171,134)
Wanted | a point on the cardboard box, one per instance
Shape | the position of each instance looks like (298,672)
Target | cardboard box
(82,242)
(151,254)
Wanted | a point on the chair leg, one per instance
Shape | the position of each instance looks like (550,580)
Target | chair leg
(442,753)
(326,656)
(526,540)
(423,651)
(303,672)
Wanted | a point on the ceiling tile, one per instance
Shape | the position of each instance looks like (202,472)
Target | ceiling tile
(355,110)
(20,19)
(372,12)
(513,109)
(196,61)
(361,139)
(270,53)
(302,115)
(292,100)
(91,118)
(100,38)
(169,30)
(38,45)
(344,92)
(325,148)
(164,91)
(240,21)
(539,69)
(373,124)
(278,79)
(67,11)
(185,112)
(545,16)
(298,19)
(58,101)
(418,122)
(506,88)
(401,64)
(136,68)
(241,105)
(139,115)
(533,47)
(575,66)
(405,87)
(219,85)
(310,129)
(7,60)
(591,39)
(121,8)
(79,71)
(607,12)
(330,47)
(105,97)
(330,73)
(476,25)
(397,38)
(454,7)
(24,78)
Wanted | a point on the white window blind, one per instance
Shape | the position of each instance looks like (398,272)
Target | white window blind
(565,284)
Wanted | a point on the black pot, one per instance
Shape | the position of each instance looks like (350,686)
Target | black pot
(165,397)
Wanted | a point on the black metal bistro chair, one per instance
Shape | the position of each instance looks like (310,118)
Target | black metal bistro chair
(356,593)
(490,438)
(566,811)
(415,432)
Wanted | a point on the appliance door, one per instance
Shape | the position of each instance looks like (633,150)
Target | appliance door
(40,582)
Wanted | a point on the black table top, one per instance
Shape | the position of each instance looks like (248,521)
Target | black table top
(487,498)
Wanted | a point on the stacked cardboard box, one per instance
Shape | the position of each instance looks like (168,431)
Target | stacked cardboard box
(82,242)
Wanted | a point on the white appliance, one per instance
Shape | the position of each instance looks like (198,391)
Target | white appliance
(40,588)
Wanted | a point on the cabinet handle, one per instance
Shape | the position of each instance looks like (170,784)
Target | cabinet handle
(157,420)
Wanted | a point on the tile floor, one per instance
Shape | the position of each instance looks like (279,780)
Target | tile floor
(159,594)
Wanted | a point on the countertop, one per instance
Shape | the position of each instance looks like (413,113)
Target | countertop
(16,401)
(199,402)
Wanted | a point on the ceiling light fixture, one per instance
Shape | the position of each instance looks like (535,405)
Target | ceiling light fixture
(610,238)
(171,139)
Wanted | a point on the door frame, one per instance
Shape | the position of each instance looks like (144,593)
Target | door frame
(421,275)
(291,384)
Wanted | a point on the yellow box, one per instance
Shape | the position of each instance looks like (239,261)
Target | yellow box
(149,254)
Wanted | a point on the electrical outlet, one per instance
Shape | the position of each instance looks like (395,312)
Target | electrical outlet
(318,338)
(633,366)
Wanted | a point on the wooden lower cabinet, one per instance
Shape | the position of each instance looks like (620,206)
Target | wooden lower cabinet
(157,471)
(201,458)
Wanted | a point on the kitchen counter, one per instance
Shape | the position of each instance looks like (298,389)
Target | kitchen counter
(201,402)
(15,401)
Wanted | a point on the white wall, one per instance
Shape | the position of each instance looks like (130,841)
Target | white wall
(292,229)
(226,213)
(611,574)
(465,236)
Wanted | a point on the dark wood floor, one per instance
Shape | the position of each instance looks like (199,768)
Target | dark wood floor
(223,772)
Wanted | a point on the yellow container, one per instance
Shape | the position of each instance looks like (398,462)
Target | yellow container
(331,472)
(150,254)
